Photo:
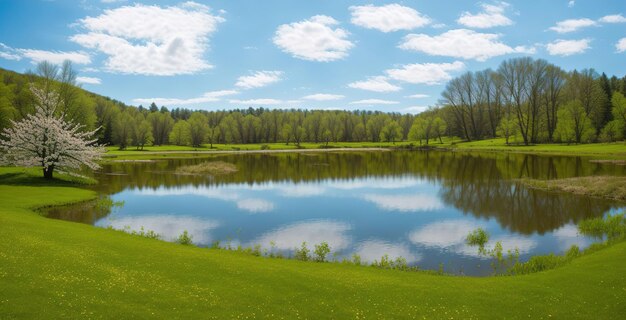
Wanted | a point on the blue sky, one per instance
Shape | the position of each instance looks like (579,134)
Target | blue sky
(383,55)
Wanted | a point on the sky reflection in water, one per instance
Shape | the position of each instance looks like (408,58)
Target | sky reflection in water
(420,213)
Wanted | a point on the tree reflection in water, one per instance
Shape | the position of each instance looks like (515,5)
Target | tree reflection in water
(481,184)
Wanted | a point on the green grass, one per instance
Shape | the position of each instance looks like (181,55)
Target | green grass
(169,151)
(114,150)
(58,269)
(615,150)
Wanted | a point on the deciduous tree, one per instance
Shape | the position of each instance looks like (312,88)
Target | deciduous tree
(47,140)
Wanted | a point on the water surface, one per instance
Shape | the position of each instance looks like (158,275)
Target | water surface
(418,205)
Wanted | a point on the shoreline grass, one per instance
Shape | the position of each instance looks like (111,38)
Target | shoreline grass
(58,269)
(598,151)
(605,187)
(208,168)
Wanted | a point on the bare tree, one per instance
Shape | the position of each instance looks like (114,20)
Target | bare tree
(555,81)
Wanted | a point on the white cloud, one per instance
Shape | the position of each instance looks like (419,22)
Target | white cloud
(571,25)
(55,57)
(387,18)
(90,69)
(405,203)
(491,16)
(255,205)
(418,96)
(371,250)
(210,96)
(88,80)
(374,101)
(415,109)
(9,53)
(425,73)
(263,101)
(621,45)
(614,18)
(151,40)
(568,47)
(323,97)
(259,79)
(313,39)
(313,232)
(376,84)
(571,3)
(461,43)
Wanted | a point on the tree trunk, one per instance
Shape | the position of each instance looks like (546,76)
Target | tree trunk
(47,172)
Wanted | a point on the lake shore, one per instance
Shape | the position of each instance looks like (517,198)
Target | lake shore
(598,151)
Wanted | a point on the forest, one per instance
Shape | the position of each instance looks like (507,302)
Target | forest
(526,101)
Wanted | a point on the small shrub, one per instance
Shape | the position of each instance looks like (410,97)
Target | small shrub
(612,226)
(265,147)
(302,253)
(256,250)
(185,238)
(384,263)
(149,234)
(272,252)
(573,252)
(321,251)
(356,259)
(545,262)
(401,264)
(501,263)
(478,237)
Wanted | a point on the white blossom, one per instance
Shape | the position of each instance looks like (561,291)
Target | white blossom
(48,141)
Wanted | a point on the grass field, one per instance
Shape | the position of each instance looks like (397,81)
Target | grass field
(57,269)
(615,150)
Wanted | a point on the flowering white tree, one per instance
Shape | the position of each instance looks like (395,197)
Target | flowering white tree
(46,140)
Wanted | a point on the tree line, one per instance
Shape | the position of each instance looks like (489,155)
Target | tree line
(537,102)
(525,99)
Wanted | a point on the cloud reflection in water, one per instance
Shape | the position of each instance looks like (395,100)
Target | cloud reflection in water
(405,203)
(312,232)
(168,226)
(371,250)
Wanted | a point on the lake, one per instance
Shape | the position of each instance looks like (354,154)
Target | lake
(416,204)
